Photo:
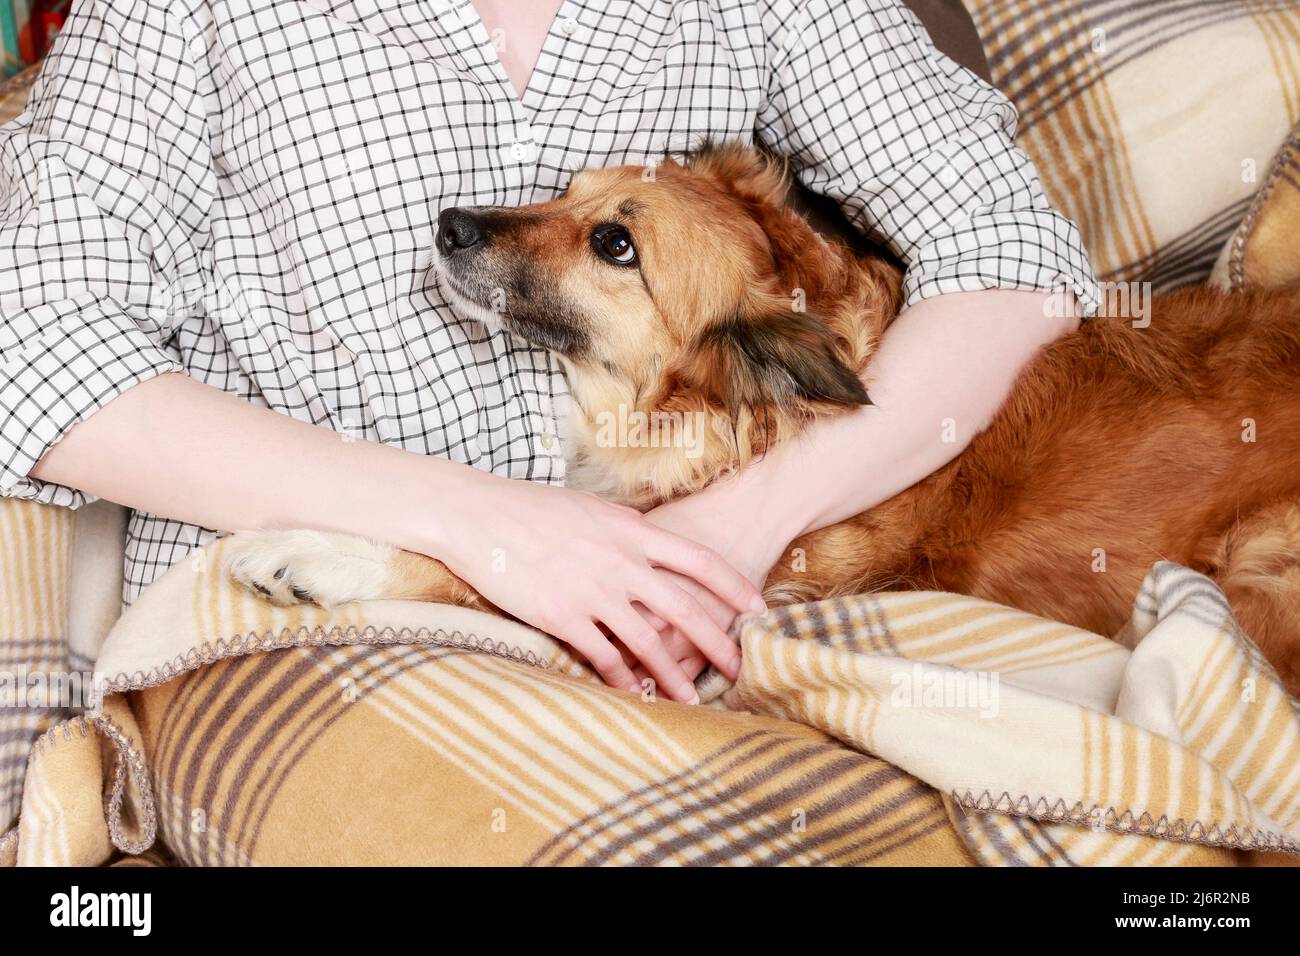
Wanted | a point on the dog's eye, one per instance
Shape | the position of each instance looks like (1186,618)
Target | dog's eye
(615,244)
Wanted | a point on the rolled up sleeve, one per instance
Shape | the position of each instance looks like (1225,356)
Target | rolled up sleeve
(105,190)
(917,150)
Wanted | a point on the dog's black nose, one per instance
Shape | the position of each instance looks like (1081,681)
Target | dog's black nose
(458,229)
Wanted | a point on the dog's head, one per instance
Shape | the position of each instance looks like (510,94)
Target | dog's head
(683,285)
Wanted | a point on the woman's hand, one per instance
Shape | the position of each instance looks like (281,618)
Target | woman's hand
(728,517)
(577,566)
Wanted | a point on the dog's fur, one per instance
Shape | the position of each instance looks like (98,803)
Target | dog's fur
(1118,447)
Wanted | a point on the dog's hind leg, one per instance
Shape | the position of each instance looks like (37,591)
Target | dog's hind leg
(1258,567)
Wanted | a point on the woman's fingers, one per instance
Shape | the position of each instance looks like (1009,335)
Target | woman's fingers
(683,651)
(654,620)
(678,646)
(694,666)
(628,657)
(706,567)
(648,647)
(680,609)
(603,656)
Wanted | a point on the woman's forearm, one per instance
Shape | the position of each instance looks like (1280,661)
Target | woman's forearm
(941,373)
(176,447)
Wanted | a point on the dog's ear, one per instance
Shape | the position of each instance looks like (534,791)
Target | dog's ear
(771,356)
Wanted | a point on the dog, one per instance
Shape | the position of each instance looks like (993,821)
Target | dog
(700,293)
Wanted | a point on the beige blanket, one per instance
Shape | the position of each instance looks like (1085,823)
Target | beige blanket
(1150,123)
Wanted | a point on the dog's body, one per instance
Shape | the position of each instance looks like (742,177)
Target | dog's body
(1118,447)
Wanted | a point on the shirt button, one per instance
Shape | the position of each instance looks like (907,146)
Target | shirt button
(568,26)
(519,152)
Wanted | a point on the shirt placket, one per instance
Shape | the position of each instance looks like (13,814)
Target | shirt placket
(515,149)
(517,152)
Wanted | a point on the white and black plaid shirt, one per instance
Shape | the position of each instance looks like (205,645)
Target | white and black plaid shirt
(246,191)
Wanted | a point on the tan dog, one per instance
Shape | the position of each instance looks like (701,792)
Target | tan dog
(676,300)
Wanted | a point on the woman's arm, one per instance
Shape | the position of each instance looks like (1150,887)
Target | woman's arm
(174,446)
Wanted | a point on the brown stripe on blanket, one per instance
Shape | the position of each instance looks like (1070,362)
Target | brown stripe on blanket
(1282,34)
(1057,50)
(375,670)
(261,751)
(1090,78)
(1139,28)
(442,755)
(815,779)
(1187,258)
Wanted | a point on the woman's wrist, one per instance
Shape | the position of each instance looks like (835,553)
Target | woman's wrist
(375,491)
(774,487)
(751,517)
(421,502)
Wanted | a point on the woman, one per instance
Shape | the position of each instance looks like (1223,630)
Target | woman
(214,223)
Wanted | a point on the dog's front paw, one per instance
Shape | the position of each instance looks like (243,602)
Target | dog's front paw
(308,567)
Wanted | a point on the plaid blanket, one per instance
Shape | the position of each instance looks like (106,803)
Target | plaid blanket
(913,728)
(1189,737)
(1151,124)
